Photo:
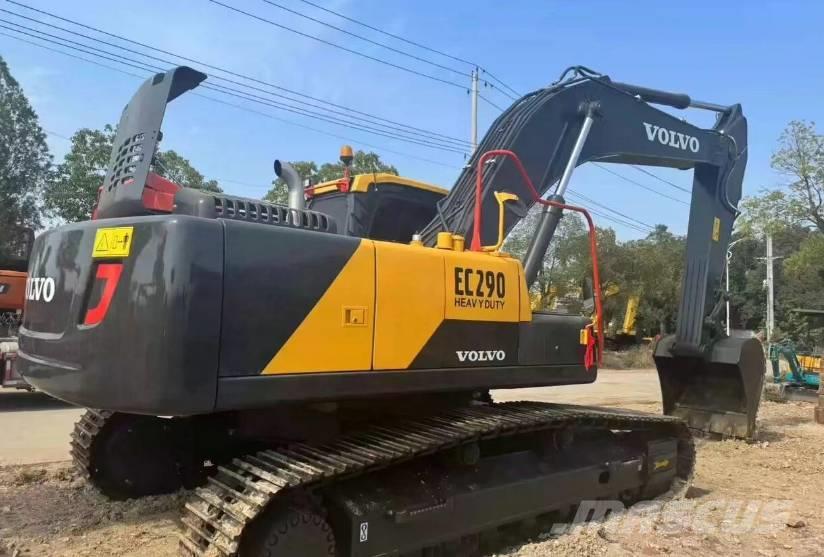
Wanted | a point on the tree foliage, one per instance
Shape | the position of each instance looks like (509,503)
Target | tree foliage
(800,159)
(174,167)
(72,189)
(24,163)
(362,163)
(650,268)
(794,217)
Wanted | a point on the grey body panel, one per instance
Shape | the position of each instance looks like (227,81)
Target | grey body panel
(161,351)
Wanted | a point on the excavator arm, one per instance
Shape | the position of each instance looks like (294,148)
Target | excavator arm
(709,379)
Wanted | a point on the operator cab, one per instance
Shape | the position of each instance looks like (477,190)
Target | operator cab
(377,206)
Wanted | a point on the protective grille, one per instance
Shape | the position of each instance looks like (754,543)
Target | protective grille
(128,155)
(269,213)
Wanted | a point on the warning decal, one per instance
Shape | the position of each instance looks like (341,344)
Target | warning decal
(113,242)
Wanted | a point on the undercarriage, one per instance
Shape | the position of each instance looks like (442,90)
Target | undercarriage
(439,479)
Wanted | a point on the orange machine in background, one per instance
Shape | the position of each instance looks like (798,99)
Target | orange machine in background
(12,291)
(14,258)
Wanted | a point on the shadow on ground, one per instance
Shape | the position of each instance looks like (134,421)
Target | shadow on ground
(19,401)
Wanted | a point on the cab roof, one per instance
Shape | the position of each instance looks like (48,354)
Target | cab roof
(361,183)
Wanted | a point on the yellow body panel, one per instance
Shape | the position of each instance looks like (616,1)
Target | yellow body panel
(361,183)
(410,302)
(482,287)
(811,363)
(390,299)
(337,334)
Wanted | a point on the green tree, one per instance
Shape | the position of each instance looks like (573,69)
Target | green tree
(800,159)
(803,288)
(362,163)
(279,193)
(558,276)
(72,189)
(24,163)
(748,298)
(172,166)
(656,268)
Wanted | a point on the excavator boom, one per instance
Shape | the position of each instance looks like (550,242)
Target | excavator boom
(711,380)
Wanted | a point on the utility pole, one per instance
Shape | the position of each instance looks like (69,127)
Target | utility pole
(770,290)
(473,134)
(727,271)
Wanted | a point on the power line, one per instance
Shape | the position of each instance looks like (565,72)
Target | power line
(501,83)
(338,46)
(387,33)
(490,102)
(605,207)
(501,91)
(330,134)
(241,107)
(615,220)
(48,132)
(138,64)
(411,42)
(648,173)
(639,184)
(370,41)
(348,110)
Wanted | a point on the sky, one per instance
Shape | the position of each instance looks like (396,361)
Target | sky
(764,55)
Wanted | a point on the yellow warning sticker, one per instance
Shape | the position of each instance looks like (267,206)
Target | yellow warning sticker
(113,242)
(716,229)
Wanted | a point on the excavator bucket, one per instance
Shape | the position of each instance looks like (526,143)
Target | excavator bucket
(718,393)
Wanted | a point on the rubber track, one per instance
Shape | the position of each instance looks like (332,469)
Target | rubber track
(215,516)
(82,438)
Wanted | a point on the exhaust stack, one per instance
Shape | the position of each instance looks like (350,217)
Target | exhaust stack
(294,184)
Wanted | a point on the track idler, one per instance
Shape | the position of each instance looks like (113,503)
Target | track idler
(127,456)
(717,392)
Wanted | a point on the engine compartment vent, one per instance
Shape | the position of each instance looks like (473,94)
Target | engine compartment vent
(237,208)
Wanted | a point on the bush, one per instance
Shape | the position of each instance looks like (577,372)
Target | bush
(638,357)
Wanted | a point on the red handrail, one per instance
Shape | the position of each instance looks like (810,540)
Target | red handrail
(593,244)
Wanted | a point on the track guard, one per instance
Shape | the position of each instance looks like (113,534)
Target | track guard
(718,393)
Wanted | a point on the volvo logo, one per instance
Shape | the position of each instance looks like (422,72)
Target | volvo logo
(671,138)
(40,289)
(481,355)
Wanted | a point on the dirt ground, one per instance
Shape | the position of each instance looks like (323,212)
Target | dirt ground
(761,499)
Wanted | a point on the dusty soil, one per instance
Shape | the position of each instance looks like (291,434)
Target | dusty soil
(45,509)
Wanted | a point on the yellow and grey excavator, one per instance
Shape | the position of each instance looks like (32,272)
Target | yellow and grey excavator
(321,371)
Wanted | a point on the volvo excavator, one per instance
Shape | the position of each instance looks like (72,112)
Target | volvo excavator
(320,373)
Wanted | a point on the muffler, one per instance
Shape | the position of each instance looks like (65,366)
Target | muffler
(717,392)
